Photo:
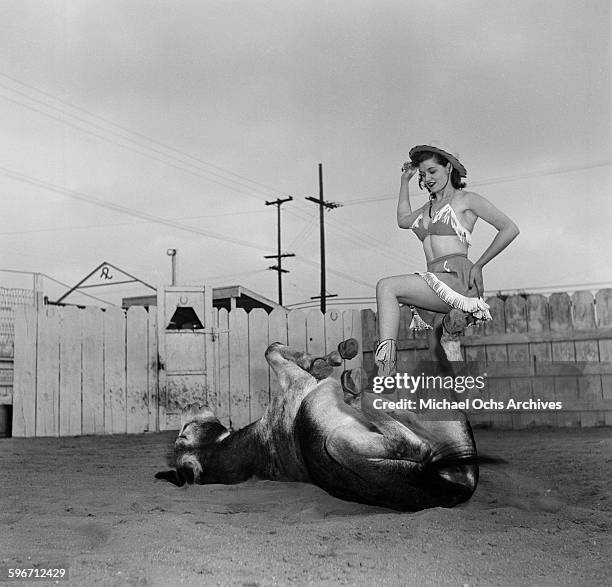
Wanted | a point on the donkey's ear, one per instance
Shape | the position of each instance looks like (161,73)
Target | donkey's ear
(171,476)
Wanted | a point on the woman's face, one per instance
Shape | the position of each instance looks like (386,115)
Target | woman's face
(433,175)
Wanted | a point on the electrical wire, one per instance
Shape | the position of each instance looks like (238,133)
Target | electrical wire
(133,132)
(135,150)
(485,182)
(124,209)
(147,216)
(117,224)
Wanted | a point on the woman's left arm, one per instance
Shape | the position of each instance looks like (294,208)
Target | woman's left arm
(507,231)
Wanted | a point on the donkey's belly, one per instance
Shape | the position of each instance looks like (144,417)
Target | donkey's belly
(373,458)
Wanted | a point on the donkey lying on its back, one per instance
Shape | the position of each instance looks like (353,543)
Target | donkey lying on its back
(309,434)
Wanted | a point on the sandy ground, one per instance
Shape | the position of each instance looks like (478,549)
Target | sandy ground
(545,518)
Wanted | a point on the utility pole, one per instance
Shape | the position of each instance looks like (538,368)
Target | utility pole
(278,267)
(322,206)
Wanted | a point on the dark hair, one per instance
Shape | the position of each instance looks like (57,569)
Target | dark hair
(421,156)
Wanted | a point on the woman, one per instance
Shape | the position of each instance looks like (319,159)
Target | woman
(444,225)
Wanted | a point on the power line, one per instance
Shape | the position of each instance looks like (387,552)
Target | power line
(129,148)
(357,236)
(123,209)
(306,229)
(145,215)
(117,224)
(486,182)
(130,131)
(336,272)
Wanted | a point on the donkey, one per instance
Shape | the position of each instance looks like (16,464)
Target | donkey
(309,434)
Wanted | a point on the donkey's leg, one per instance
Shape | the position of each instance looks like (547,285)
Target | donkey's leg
(318,367)
(290,366)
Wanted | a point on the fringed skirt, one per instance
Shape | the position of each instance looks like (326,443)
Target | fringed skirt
(448,277)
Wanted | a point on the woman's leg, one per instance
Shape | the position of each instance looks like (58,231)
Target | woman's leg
(403,289)
(390,292)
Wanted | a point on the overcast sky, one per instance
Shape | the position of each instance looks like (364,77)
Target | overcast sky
(129,127)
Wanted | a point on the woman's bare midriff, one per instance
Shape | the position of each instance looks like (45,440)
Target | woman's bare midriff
(436,246)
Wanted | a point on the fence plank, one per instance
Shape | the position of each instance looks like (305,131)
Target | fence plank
(223,408)
(561,321)
(370,335)
(537,323)
(583,304)
(515,309)
(70,368)
(315,333)
(497,325)
(566,388)
(516,320)
(277,332)
(259,377)
(296,329)
(497,389)
(277,326)
(47,373)
(239,368)
(537,313)
(589,386)
(24,377)
(93,371)
(333,330)
(114,371)
(152,372)
(137,357)
(542,387)
(603,301)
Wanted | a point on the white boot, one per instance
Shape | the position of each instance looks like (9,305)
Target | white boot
(385,357)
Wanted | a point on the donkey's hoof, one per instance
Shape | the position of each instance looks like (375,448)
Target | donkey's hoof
(455,321)
(320,368)
(354,381)
(348,348)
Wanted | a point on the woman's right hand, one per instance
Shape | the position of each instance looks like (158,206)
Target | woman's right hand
(408,171)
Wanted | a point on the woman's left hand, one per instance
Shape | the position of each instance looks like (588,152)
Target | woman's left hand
(475,279)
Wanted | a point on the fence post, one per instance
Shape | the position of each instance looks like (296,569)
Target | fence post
(47,372)
(70,370)
(603,301)
(24,376)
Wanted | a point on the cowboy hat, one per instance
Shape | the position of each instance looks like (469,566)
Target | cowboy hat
(452,159)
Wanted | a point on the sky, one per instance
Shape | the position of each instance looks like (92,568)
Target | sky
(130,127)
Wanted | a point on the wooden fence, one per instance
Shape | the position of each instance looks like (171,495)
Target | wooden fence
(245,382)
(552,349)
(84,371)
(96,372)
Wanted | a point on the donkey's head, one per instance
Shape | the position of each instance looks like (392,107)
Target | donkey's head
(199,434)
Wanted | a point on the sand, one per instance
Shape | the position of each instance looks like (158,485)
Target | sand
(544,518)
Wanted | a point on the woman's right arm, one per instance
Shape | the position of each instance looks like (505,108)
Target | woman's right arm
(405,215)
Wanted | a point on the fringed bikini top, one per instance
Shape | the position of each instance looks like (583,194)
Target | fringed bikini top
(445,223)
